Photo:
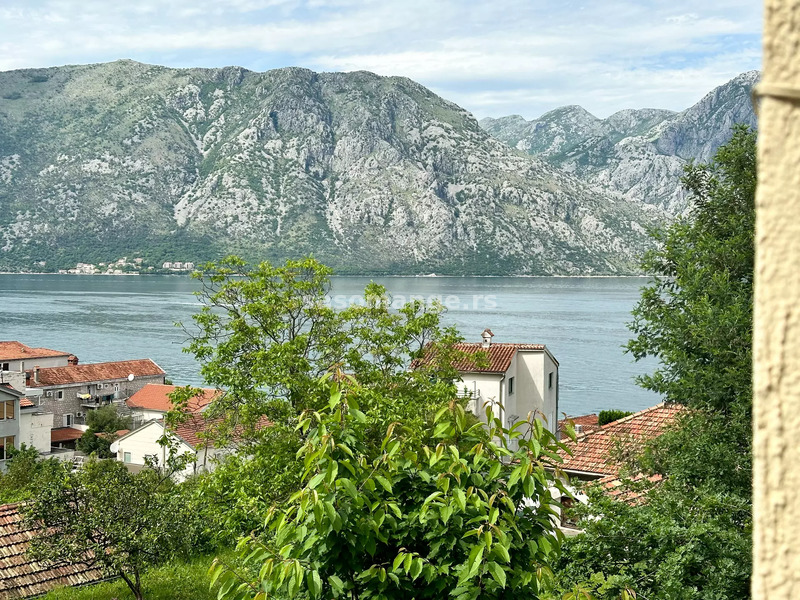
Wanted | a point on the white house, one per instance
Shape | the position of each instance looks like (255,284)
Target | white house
(187,439)
(153,402)
(523,378)
(16,356)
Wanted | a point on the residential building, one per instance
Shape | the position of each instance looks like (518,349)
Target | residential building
(522,378)
(23,577)
(193,438)
(9,421)
(153,402)
(68,393)
(15,356)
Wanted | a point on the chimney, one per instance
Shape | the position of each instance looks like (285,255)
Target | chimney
(487,336)
(36,374)
(72,360)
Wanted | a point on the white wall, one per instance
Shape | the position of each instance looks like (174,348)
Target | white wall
(34,430)
(534,393)
(30,363)
(488,387)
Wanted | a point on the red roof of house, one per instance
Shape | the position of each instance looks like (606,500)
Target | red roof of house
(593,452)
(627,490)
(191,431)
(155,396)
(71,374)
(498,357)
(25,403)
(19,351)
(65,434)
(587,423)
(22,577)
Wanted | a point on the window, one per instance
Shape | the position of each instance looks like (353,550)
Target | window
(6,443)
(550,380)
(5,366)
(67,420)
(126,457)
(116,387)
(60,394)
(510,385)
(7,410)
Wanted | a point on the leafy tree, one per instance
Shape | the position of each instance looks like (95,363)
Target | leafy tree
(104,515)
(24,469)
(267,334)
(105,421)
(468,517)
(689,536)
(696,315)
(609,416)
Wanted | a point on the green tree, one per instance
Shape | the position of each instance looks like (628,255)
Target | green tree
(468,517)
(689,536)
(609,416)
(24,470)
(105,421)
(104,515)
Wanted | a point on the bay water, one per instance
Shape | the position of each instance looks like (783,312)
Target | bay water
(581,320)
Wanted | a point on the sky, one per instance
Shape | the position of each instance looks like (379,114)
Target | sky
(492,57)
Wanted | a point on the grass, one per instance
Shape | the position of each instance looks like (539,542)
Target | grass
(180,580)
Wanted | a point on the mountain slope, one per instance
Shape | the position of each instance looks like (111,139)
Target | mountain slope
(638,153)
(371,174)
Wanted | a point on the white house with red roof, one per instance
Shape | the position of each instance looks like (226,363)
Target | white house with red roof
(16,356)
(153,401)
(523,378)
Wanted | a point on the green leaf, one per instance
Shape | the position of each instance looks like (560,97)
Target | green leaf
(460,499)
(497,573)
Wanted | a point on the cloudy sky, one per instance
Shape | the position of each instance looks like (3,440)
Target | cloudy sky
(493,57)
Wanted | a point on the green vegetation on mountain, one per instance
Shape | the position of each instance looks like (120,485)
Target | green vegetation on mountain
(370,174)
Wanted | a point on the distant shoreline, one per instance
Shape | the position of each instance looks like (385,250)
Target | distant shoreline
(373,276)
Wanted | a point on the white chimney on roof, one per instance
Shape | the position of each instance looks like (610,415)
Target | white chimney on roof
(487,336)
(36,374)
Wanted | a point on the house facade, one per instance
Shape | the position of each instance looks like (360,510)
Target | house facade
(69,392)
(153,402)
(15,356)
(522,378)
(9,421)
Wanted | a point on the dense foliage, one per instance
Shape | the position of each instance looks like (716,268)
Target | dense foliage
(688,536)
(467,518)
(103,423)
(609,416)
(24,471)
(104,515)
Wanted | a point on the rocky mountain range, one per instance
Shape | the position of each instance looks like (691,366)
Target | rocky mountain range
(370,174)
(639,154)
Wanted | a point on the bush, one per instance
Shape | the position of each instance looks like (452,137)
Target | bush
(609,416)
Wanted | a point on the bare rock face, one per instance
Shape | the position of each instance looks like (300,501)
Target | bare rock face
(370,174)
(639,154)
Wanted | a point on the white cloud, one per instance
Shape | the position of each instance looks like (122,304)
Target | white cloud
(521,56)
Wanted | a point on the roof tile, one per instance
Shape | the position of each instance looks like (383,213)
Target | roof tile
(155,396)
(593,452)
(71,374)
(22,577)
(18,351)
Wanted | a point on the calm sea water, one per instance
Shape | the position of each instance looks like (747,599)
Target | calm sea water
(582,321)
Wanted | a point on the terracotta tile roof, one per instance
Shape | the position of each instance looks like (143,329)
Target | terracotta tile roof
(587,423)
(71,374)
(498,357)
(25,403)
(593,452)
(65,434)
(19,351)
(155,396)
(626,490)
(191,430)
(21,577)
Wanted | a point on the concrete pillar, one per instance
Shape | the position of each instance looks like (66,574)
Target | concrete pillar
(776,502)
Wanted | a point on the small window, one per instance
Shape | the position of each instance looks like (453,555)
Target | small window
(126,457)
(60,395)
(116,387)
(67,420)
(5,367)
(510,385)
(6,444)
(550,380)
(9,409)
